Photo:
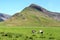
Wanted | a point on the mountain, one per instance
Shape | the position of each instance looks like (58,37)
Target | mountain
(54,15)
(4,17)
(34,15)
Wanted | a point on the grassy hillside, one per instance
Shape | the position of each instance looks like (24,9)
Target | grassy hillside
(30,17)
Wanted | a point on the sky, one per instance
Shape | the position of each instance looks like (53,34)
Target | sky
(13,6)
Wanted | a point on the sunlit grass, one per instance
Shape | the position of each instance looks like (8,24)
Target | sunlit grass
(25,33)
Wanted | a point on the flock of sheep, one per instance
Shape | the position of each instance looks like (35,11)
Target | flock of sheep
(40,31)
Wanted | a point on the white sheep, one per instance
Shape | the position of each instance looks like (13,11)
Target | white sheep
(41,31)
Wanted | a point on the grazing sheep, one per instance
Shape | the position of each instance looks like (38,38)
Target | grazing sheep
(41,31)
(33,31)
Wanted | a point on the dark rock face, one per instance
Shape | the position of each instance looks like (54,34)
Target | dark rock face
(39,8)
(36,7)
(54,15)
(4,17)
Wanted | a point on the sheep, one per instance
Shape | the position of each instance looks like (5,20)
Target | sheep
(41,31)
(33,31)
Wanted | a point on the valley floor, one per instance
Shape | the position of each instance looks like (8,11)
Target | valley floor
(25,33)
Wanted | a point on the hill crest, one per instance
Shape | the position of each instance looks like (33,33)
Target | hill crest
(34,15)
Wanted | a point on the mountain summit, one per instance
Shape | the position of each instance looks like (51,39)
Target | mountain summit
(38,7)
(54,15)
(34,15)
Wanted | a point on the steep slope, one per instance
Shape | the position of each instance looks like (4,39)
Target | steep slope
(54,15)
(32,16)
(4,17)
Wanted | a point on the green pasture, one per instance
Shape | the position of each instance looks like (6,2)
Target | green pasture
(25,33)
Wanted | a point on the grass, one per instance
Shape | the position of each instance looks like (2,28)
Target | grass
(25,33)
